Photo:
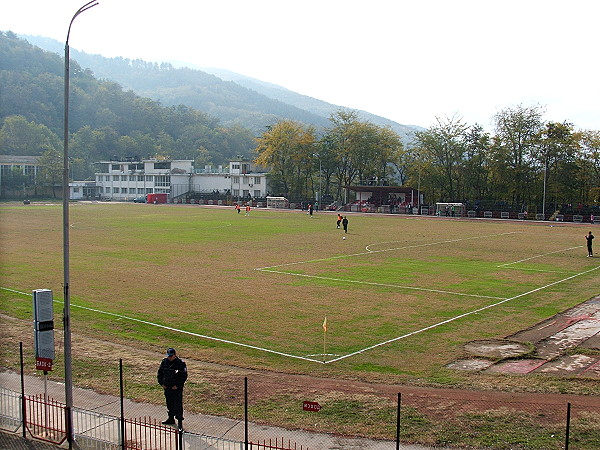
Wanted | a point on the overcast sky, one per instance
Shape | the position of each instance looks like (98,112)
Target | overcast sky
(409,61)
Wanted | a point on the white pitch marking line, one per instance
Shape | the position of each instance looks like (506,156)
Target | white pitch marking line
(371,283)
(341,357)
(459,316)
(384,250)
(226,341)
(539,256)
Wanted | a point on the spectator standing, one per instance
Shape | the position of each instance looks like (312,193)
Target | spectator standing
(345,224)
(172,375)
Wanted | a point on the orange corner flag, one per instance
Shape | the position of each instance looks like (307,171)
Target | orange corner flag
(325,325)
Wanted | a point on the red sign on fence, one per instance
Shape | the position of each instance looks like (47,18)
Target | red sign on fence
(43,364)
(311,406)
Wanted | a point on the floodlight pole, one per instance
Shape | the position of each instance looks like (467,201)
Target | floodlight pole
(320,178)
(544,194)
(67,301)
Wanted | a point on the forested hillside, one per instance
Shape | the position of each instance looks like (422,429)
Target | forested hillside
(316,106)
(232,98)
(104,120)
(231,103)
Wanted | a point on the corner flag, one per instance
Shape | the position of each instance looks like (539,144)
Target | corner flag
(325,325)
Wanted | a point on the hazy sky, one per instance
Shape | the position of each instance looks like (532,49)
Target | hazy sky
(409,61)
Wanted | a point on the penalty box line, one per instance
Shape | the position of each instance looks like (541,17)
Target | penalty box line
(368,252)
(177,330)
(539,256)
(460,316)
(371,283)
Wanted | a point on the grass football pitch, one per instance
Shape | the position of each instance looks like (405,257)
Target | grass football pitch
(401,294)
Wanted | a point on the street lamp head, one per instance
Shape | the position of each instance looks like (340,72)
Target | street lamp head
(85,7)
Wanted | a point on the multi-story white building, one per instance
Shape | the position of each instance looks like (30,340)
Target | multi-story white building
(126,180)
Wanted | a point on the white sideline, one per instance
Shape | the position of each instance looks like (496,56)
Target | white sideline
(458,317)
(176,329)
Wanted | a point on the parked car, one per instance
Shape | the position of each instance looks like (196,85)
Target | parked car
(141,199)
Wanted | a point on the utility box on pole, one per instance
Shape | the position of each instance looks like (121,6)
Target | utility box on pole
(43,327)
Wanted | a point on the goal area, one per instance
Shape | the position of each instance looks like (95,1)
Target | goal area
(277,202)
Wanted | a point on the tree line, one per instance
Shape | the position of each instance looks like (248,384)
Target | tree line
(348,152)
(525,163)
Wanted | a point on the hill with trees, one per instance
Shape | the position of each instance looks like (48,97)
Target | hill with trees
(232,98)
(105,120)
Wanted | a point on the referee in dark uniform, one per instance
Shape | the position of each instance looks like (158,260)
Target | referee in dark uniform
(171,375)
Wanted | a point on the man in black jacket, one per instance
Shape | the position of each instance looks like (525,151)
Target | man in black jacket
(172,374)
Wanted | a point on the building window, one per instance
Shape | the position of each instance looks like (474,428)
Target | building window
(246,193)
(148,190)
(107,178)
(115,167)
(257,192)
(162,165)
(150,179)
(123,177)
(236,180)
(236,192)
(140,190)
(235,166)
(132,177)
(256,180)
(75,189)
(140,178)
(162,180)
(116,190)
(132,190)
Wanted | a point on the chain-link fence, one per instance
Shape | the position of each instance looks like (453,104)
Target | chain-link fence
(278,411)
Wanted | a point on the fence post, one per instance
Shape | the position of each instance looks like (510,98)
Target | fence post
(121,394)
(246,413)
(23,402)
(568,426)
(398,422)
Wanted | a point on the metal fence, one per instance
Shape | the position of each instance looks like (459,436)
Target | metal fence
(45,419)
(368,417)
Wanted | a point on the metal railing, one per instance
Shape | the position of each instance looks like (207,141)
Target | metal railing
(45,420)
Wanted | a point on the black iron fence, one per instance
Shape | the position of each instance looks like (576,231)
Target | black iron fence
(265,412)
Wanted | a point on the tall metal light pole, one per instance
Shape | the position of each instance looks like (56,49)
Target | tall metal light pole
(544,194)
(67,299)
(320,178)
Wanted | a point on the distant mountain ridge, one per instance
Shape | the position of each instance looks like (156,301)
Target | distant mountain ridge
(232,98)
(306,102)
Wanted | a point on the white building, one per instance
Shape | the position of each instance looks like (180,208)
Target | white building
(82,190)
(126,180)
(27,165)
